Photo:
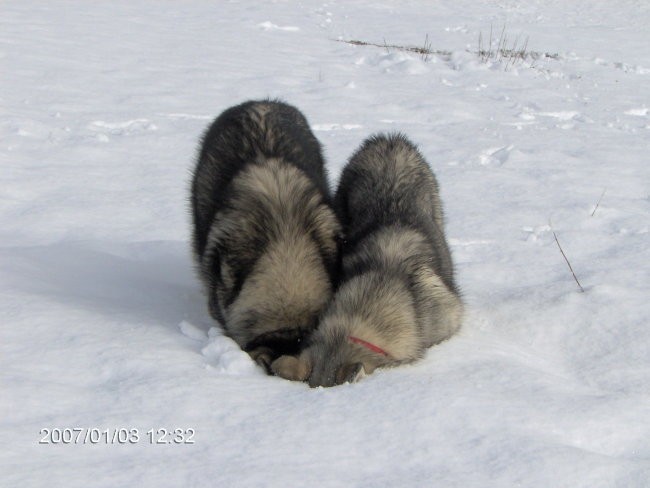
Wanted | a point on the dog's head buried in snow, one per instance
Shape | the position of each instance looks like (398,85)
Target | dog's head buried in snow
(398,296)
(334,356)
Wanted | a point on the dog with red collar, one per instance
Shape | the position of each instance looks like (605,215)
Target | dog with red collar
(398,296)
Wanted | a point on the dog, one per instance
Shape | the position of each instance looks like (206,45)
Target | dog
(266,239)
(398,295)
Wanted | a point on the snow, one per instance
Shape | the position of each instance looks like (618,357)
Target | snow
(104,324)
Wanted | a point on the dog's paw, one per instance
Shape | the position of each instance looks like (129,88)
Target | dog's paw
(291,368)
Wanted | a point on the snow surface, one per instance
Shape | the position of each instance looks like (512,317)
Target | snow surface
(103,320)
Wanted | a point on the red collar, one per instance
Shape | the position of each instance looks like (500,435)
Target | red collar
(368,345)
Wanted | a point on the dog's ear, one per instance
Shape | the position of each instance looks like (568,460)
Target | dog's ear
(350,373)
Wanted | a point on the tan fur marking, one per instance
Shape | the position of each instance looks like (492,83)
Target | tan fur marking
(390,307)
(444,299)
(288,283)
(279,185)
(394,244)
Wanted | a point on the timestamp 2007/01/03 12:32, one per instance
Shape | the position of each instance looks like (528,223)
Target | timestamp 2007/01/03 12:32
(81,435)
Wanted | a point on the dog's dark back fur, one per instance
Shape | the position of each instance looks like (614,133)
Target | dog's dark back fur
(240,135)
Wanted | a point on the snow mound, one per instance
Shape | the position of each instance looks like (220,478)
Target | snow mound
(225,356)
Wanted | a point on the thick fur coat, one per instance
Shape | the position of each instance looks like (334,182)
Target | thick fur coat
(398,295)
(265,236)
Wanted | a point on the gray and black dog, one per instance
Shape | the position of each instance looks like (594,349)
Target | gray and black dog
(398,296)
(265,235)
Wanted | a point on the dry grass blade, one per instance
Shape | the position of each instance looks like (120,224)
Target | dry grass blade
(485,52)
(598,202)
(507,53)
(424,51)
(567,262)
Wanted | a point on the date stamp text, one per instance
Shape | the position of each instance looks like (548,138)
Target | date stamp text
(123,435)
